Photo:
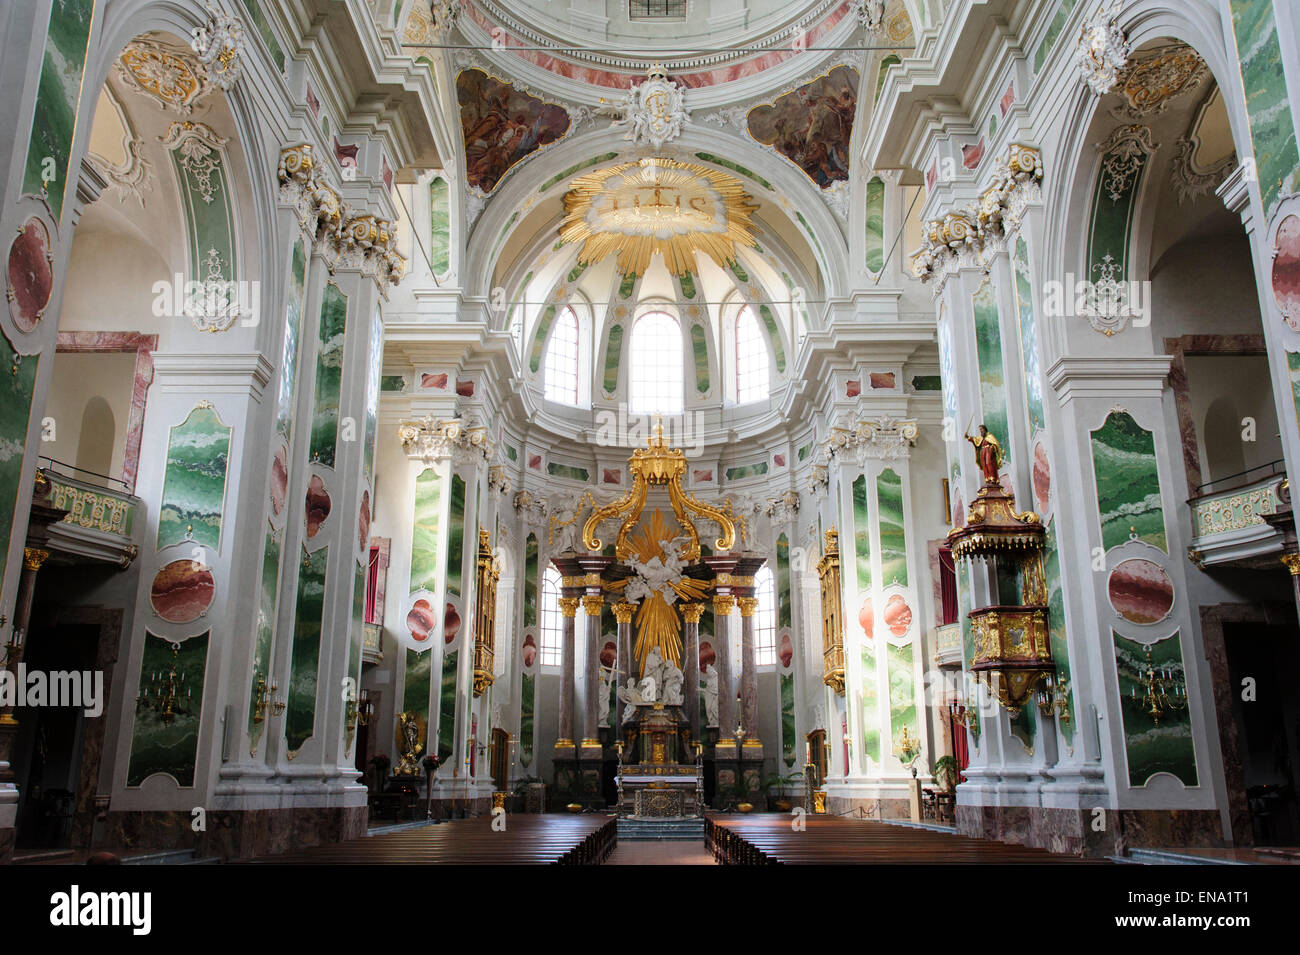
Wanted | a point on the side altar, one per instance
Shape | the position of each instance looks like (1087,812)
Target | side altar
(673,718)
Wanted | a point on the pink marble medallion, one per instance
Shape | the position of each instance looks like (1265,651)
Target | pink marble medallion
(707,655)
(608,654)
(465,388)
(535,462)
(1042,479)
(786,651)
(31,274)
(867,617)
(420,620)
(1008,98)
(363,520)
(279,479)
(318,505)
(852,389)
(182,591)
(898,615)
(1286,270)
(972,153)
(1140,591)
(438,381)
(611,476)
(529,650)
(450,623)
(883,380)
(702,477)
(778,460)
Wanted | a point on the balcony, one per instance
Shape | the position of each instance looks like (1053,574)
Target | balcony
(372,643)
(1243,520)
(947,645)
(101,522)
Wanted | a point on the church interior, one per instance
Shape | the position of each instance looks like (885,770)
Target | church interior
(636,431)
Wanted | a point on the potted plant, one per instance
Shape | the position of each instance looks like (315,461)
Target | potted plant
(775,786)
(946,773)
(736,796)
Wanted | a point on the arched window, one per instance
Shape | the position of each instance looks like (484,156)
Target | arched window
(752,368)
(552,622)
(655,379)
(562,360)
(765,618)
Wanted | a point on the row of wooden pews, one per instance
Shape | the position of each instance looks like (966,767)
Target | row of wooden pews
(771,839)
(527,840)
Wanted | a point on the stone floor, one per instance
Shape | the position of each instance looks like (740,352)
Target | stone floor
(660,853)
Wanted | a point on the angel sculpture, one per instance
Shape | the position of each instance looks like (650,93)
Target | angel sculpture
(631,695)
(711,695)
(673,679)
(656,574)
(602,703)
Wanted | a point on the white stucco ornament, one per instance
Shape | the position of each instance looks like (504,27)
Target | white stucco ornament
(1103,50)
(871,14)
(219,45)
(654,111)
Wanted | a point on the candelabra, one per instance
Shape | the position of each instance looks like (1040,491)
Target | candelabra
(365,709)
(1161,692)
(1054,697)
(907,749)
(166,694)
(264,701)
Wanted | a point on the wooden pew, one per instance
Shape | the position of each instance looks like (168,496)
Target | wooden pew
(527,840)
(770,839)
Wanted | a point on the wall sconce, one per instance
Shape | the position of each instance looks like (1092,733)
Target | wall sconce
(264,701)
(1053,697)
(1161,693)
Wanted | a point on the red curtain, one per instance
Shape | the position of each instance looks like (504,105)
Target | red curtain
(948,585)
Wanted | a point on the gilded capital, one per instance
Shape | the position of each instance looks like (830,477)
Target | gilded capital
(623,611)
(723,604)
(692,612)
(33,557)
(747,605)
(569,606)
(1292,562)
(592,603)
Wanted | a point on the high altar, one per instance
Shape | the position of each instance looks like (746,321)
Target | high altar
(660,578)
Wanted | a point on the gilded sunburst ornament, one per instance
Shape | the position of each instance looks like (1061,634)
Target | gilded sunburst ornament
(637,209)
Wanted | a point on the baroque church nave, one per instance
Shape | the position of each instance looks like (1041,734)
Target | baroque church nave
(677,416)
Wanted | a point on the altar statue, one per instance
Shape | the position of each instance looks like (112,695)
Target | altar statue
(630,695)
(653,576)
(989,454)
(672,691)
(710,695)
(653,670)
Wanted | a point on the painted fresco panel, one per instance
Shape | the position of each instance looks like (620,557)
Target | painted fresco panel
(16,390)
(456,536)
(527,692)
(1272,128)
(787,719)
(1164,747)
(424,531)
(1028,338)
(875,245)
(194,485)
(988,345)
(501,126)
(812,126)
(861,533)
(902,694)
(284,405)
(447,707)
(1128,485)
(304,667)
(266,601)
(440,225)
(170,747)
(893,538)
(329,375)
(870,707)
(58,96)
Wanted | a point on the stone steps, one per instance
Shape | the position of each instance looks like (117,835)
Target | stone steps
(647,830)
